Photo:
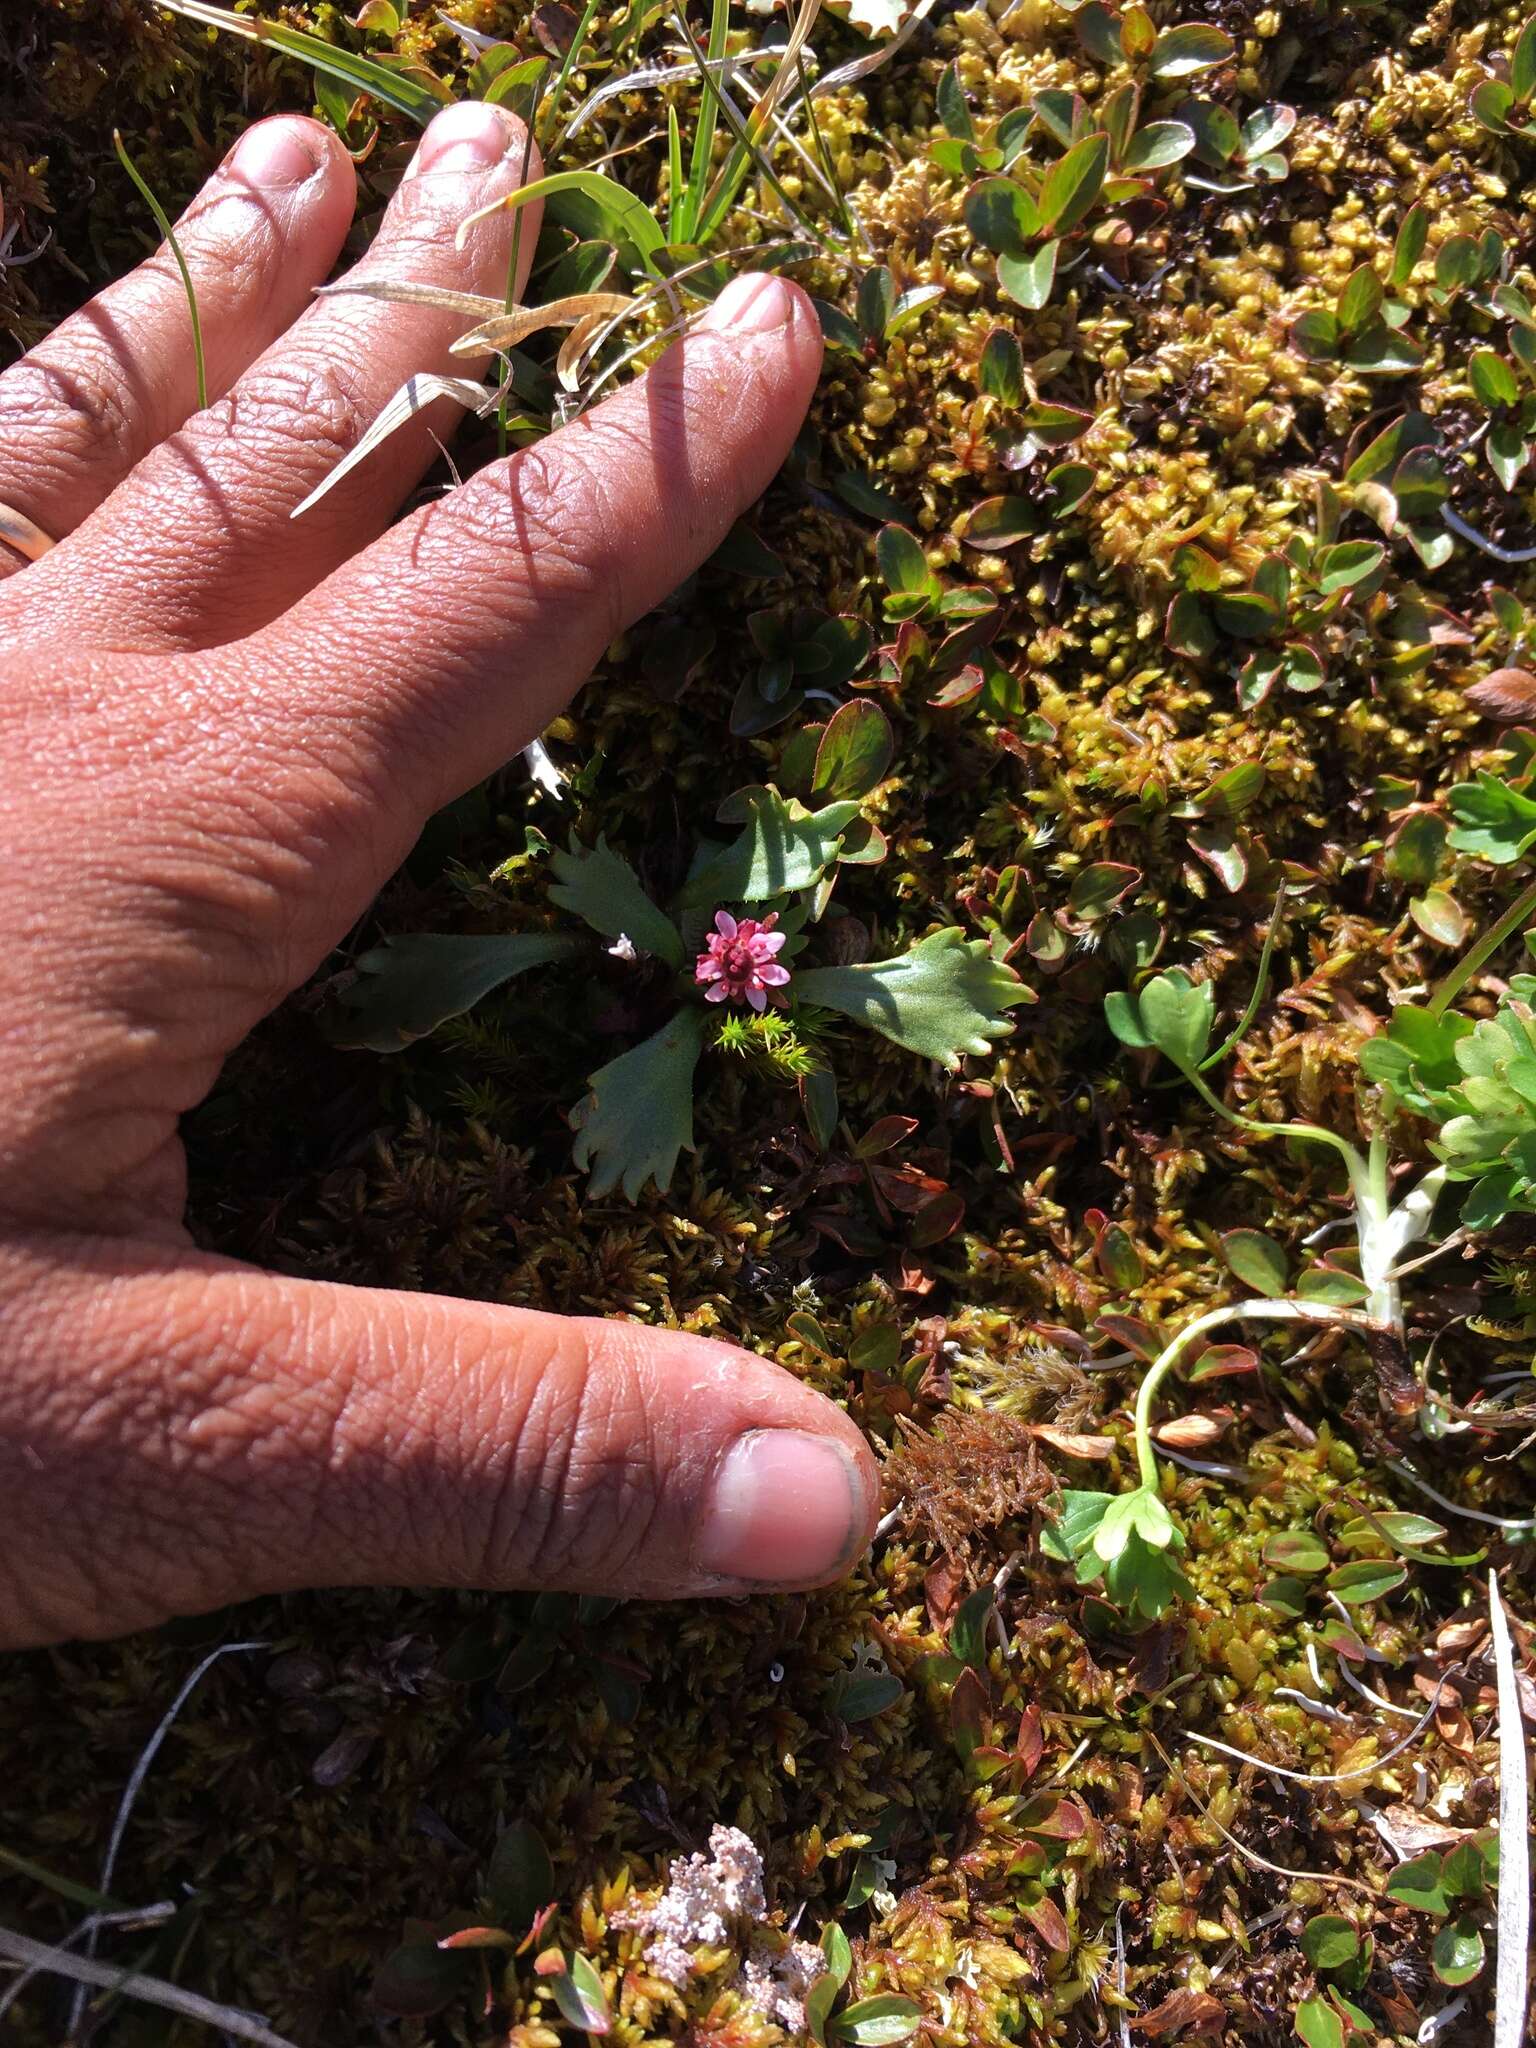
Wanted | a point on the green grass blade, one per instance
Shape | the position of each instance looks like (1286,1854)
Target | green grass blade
(674,176)
(163,222)
(363,74)
(702,155)
(742,160)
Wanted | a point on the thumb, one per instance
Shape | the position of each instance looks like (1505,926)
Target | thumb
(179,1431)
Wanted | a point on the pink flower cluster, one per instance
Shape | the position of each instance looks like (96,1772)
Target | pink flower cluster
(738,960)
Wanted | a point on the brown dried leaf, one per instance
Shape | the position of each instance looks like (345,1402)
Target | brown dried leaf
(1508,695)
(1073,1443)
(1411,1833)
(1182,2012)
(1190,1432)
(508,330)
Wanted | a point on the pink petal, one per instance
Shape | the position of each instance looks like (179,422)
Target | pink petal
(708,970)
(775,977)
(757,999)
(725,925)
(770,942)
(718,993)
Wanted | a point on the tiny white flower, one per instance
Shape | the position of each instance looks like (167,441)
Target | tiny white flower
(623,948)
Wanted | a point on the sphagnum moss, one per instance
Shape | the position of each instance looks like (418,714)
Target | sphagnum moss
(1050,1852)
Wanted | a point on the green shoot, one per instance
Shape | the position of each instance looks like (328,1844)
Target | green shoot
(692,199)
(162,221)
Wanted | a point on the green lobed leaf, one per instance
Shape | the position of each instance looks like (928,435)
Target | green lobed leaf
(1360,301)
(1071,1534)
(638,1113)
(944,998)
(1492,819)
(1002,216)
(1347,563)
(1412,235)
(1158,145)
(1177,1015)
(784,848)
(598,886)
(409,984)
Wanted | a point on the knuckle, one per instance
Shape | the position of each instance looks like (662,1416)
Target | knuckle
(292,406)
(67,414)
(577,1498)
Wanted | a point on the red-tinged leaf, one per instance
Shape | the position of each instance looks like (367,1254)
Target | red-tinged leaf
(1045,1916)
(961,688)
(1508,695)
(1133,1334)
(936,1220)
(479,1937)
(1223,1361)
(1030,1746)
(1073,1443)
(549,1962)
(967,1709)
(1055,1818)
(885,1132)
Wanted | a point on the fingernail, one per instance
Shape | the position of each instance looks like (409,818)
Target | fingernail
(751,304)
(468,137)
(785,1508)
(275,153)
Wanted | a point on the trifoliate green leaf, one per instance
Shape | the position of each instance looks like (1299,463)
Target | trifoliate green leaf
(1172,1012)
(1071,1533)
(604,890)
(944,998)
(409,985)
(639,1113)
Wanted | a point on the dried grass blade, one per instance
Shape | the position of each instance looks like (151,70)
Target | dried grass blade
(574,348)
(414,395)
(508,330)
(400,291)
(1514,1922)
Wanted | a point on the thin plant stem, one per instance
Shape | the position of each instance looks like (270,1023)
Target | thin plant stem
(163,222)
(1482,952)
(829,169)
(742,157)
(1358,1171)
(1286,1311)
(1261,983)
(509,299)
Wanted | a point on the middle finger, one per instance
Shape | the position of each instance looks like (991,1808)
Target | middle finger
(198,547)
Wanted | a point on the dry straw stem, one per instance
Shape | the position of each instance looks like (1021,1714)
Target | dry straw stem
(1510,1981)
(37,1955)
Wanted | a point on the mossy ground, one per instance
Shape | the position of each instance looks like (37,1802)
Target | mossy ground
(303,1810)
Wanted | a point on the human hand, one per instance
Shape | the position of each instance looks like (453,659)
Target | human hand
(220,730)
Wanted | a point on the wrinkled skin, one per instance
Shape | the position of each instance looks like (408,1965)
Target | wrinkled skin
(220,730)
